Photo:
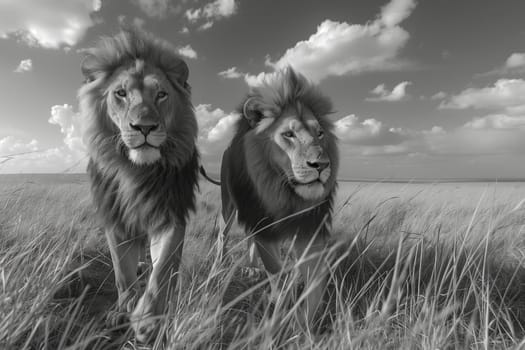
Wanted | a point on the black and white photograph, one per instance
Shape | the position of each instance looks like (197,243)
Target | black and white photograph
(262,174)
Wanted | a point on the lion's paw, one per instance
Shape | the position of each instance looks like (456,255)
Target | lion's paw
(116,318)
(144,322)
(146,329)
(128,300)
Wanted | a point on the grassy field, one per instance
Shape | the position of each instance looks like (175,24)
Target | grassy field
(414,266)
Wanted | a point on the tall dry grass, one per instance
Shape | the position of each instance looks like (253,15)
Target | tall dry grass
(412,267)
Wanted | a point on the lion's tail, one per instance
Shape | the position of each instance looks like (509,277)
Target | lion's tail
(205,175)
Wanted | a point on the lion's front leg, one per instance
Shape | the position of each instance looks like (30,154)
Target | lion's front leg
(166,253)
(125,256)
(311,255)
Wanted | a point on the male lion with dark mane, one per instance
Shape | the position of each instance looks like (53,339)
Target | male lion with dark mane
(279,174)
(140,130)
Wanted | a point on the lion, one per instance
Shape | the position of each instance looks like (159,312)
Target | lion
(279,175)
(140,131)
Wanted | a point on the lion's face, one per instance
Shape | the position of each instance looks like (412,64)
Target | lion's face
(139,101)
(296,146)
(299,152)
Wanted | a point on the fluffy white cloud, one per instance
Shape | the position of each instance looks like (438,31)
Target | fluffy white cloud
(223,130)
(369,132)
(506,94)
(515,60)
(396,11)
(502,132)
(31,158)
(214,124)
(216,129)
(206,25)
(69,122)
(491,135)
(193,14)
(257,80)
(50,24)
(398,93)
(513,65)
(11,145)
(212,11)
(187,51)
(337,48)
(497,121)
(438,96)
(231,73)
(24,66)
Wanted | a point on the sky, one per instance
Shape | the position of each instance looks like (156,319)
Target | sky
(421,89)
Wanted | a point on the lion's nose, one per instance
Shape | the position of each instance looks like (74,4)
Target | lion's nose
(144,129)
(319,165)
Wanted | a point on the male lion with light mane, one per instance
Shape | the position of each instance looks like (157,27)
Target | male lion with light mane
(140,130)
(279,174)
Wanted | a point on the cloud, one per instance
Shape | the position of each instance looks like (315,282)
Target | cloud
(513,65)
(500,132)
(69,122)
(187,51)
(504,94)
(438,96)
(231,73)
(490,135)
(49,24)
(193,14)
(10,145)
(396,11)
(398,93)
(211,12)
(70,156)
(339,48)
(223,130)
(158,9)
(497,121)
(24,66)
(184,30)
(206,25)
(249,79)
(515,60)
(97,5)
(369,132)
(216,129)
(257,80)
(214,124)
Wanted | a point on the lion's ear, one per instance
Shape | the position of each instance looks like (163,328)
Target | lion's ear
(253,111)
(178,73)
(89,66)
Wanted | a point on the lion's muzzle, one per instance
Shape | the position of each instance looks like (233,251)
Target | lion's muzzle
(145,129)
(319,165)
(144,134)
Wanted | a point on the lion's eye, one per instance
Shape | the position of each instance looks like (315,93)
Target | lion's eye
(121,93)
(162,95)
(320,134)
(288,134)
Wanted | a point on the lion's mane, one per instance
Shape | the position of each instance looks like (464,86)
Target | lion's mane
(254,179)
(133,199)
